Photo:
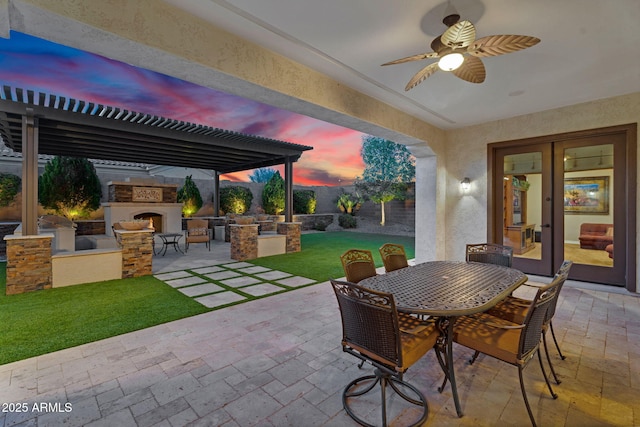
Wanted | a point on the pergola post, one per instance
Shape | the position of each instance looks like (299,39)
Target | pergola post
(288,190)
(29,173)
(216,193)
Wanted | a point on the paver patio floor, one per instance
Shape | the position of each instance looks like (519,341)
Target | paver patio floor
(277,361)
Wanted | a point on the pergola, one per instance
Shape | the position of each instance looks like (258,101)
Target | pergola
(36,123)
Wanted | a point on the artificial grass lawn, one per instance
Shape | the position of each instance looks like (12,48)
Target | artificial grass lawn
(320,255)
(41,322)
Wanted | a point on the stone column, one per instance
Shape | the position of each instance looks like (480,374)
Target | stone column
(292,231)
(137,252)
(244,241)
(28,263)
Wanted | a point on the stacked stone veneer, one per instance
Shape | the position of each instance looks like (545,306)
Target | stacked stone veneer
(137,253)
(244,241)
(29,266)
(292,231)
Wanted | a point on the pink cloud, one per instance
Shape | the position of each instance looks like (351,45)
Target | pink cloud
(30,63)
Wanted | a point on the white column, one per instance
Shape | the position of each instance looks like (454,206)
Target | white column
(427,235)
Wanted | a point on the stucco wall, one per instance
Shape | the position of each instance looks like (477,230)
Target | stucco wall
(466,155)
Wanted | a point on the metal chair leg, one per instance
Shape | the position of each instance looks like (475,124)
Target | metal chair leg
(384,379)
(524,396)
(544,374)
(474,357)
(546,351)
(553,334)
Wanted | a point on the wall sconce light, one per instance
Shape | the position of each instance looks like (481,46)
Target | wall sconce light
(465,184)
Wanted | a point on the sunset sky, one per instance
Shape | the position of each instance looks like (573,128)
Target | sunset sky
(31,63)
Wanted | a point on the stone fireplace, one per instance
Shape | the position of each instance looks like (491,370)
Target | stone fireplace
(139,198)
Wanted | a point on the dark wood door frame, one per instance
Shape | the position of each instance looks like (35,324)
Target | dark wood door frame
(630,132)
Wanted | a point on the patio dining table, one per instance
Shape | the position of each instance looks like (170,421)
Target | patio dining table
(446,290)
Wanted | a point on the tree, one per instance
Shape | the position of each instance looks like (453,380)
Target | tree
(190,197)
(70,186)
(273,195)
(304,202)
(9,188)
(388,168)
(235,199)
(382,192)
(262,174)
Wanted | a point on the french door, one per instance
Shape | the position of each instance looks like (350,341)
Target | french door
(569,196)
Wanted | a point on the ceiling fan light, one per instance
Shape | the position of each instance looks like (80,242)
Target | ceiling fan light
(451,61)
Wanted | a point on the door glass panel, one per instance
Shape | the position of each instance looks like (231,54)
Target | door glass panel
(588,205)
(522,217)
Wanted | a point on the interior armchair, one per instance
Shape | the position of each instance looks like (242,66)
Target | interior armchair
(197,231)
(373,332)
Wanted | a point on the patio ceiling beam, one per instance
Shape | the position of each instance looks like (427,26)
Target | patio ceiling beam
(143,149)
(146,151)
(72,127)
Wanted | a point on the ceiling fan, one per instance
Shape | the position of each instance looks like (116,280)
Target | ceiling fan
(459,51)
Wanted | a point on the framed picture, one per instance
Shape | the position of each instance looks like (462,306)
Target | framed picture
(586,195)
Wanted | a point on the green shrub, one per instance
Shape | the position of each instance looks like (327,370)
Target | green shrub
(235,199)
(9,188)
(349,203)
(190,196)
(273,195)
(347,221)
(70,186)
(320,226)
(304,202)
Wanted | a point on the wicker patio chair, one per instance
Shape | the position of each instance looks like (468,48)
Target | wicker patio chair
(393,256)
(515,309)
(197,231)
(490,253)
(513,343)
(358,264)
(373,332)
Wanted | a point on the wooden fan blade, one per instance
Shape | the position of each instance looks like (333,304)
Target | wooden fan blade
(459,35)
(500,44)
(471,70)
(422,75)
(418,57)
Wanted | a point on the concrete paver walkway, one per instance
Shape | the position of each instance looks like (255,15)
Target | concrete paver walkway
(222,284)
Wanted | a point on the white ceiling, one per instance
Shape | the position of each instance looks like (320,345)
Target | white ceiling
(588,50)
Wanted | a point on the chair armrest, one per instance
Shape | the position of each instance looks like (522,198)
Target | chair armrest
(495,325)
(484,321)
(534,284)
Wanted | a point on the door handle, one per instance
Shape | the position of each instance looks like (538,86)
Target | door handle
(546,226)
